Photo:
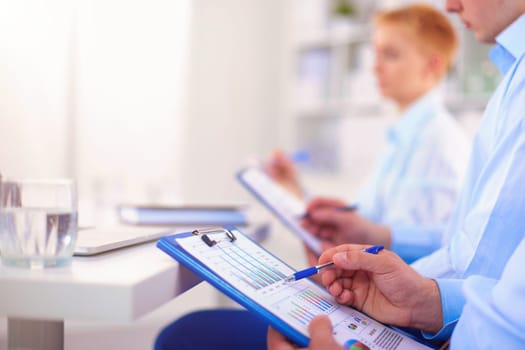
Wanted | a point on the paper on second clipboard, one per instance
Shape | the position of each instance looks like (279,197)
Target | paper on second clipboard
(279,201)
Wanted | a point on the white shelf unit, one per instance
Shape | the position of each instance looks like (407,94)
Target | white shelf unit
(331,86)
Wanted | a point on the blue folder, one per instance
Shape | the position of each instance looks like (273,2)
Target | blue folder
(253,277)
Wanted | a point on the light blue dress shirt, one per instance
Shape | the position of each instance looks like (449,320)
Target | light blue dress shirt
(494,315)
(417,181)
(489,220)
(491,313)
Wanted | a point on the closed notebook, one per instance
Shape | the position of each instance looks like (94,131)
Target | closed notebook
(96,240)
(182,215)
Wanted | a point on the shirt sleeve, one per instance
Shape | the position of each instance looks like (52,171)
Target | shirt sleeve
(494,316)
(452,302)
(414,242)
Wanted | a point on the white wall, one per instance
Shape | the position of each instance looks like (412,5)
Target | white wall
(34,76)
(130,100)
(234,93)
(95,89)
(104,90)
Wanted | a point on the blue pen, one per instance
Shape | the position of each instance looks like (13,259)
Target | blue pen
(315,269)
(351,207)
(300,156)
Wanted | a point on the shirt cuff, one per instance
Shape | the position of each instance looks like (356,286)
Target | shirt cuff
(452,302)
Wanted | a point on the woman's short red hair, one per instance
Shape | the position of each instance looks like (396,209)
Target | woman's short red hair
(430,29)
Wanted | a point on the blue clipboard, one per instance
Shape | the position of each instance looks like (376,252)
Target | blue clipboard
(220,255)
(170,246)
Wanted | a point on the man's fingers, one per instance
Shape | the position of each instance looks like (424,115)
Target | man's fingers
(352,257)
(359,260)
(328,255)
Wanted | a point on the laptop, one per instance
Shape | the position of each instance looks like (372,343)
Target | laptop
(96,240)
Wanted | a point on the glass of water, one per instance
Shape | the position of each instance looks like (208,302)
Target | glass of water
(38,222)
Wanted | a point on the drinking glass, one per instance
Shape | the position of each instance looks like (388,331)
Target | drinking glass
(38,222)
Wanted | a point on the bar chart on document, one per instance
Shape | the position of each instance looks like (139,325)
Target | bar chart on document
(260,276)
(252,269)
(242,263)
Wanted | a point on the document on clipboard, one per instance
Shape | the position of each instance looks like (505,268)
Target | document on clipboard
(288,209)
(253,277)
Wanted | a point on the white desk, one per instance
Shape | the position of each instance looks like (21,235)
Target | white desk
(119,286)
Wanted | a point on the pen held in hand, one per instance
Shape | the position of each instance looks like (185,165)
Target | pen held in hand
(316,269)
(352,207)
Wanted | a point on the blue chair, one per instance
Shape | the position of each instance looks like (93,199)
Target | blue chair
(214,329)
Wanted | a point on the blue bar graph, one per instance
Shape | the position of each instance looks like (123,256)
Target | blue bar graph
(250,268)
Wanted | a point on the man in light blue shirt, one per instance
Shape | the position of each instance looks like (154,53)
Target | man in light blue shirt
(491,205)
(491,209)
(484,234)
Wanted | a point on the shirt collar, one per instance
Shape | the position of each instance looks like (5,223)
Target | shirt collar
(509,45)
(417,114)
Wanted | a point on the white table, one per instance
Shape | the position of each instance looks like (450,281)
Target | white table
(119,286)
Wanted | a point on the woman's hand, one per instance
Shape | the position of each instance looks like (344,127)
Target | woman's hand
(283,171)
(326,221)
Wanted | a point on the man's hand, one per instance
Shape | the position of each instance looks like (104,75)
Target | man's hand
(325,221)
(321,338)
(383,286)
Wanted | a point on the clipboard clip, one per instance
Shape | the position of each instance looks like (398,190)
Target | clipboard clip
(211,242)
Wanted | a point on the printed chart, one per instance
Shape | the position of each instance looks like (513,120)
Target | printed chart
(251,269)
(304,305)
(243,263)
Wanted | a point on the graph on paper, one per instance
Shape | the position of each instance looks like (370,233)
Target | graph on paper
(254,270)
(304,305)
(243,263)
